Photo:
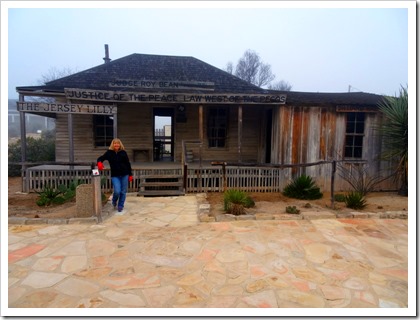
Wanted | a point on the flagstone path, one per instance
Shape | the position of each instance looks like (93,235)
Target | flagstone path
(158,255)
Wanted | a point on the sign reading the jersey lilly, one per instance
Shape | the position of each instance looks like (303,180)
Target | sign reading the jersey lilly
(115,96)
(65,108)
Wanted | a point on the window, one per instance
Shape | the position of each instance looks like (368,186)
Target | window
(355,129)
(217,127)
(103,130)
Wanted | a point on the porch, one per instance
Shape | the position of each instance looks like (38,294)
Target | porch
(196,177)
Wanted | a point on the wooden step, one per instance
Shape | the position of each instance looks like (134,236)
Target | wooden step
(161,193)
(161,185)
(161,176)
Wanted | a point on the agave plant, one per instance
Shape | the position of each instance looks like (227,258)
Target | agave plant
(394,130)
(235,201)
(302,187)
(355,200)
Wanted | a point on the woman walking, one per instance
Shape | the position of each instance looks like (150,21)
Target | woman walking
(120,171)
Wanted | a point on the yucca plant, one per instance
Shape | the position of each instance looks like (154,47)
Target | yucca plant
(47,196)
(235,201)
(355,200)
(394,131)
(303,187)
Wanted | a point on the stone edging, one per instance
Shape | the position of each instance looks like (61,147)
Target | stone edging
(106,213)
(204,215)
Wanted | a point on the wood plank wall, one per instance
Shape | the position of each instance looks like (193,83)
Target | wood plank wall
(310,134)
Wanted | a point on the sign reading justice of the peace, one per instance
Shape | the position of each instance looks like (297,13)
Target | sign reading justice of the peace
(161,84)
(66,108)
(115,96)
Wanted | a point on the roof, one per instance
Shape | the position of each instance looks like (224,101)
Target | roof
(194,73)
(150,67)
(331,98)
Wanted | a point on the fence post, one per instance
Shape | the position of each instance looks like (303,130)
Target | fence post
(333,169)
(97,197)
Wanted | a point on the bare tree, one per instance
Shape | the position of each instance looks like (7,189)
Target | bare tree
(280,85)
(251,69)
(54,74)
(229,67)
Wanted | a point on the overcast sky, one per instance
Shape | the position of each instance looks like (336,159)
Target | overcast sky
(314,49)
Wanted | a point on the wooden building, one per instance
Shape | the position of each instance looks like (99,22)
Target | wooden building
(215,118)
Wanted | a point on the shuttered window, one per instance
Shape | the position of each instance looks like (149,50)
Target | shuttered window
(217,127)
(355,129)
(103,129)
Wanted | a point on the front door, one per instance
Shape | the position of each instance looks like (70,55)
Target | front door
(163,137)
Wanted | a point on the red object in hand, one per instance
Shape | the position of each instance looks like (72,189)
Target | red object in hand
(130,178)
(100,166)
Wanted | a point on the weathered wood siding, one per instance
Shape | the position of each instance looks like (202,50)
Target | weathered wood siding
(311,134)
(135,129)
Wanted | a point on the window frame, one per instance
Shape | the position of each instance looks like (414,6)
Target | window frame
(105,126)
(223,124)
(354,149)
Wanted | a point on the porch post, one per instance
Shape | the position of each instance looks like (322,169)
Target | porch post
(239,133)
(200,123)
(70,132)
(201,129)
(115,125)
(25,181)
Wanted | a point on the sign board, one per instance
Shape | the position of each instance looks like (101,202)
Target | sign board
(161,84)
(66,108)
(148,97)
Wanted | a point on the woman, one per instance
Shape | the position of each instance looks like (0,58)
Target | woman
(120,171)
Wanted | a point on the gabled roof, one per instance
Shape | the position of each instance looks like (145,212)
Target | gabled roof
(150,67)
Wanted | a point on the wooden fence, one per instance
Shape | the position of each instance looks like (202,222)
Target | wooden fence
(216,178)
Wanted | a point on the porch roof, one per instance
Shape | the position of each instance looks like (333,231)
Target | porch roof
(332,98)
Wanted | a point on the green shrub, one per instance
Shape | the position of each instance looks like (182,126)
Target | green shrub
(303,188)
(355,200)
(60,195)
(37,150)
(235,201)
(339,197)
(292,209)
(47,196)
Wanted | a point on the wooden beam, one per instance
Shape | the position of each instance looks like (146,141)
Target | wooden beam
(239,133)
(25,184)
(115,125)
(70,132)
(200,123)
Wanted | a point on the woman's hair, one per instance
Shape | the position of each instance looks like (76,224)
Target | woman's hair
(111,146)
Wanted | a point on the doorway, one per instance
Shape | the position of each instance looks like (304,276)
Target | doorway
(163,142)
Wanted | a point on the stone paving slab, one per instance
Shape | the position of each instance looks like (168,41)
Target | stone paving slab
(157,254)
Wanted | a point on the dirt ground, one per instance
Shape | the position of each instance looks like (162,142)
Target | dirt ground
(24,204)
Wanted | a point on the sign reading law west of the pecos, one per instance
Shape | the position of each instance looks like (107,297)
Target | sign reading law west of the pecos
(135,96)
(115,96)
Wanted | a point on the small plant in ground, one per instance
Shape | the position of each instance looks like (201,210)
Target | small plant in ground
(303,188)
(355,200)
(292,209)
(339,197)
(47,196)
(235,201)
(60,195)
